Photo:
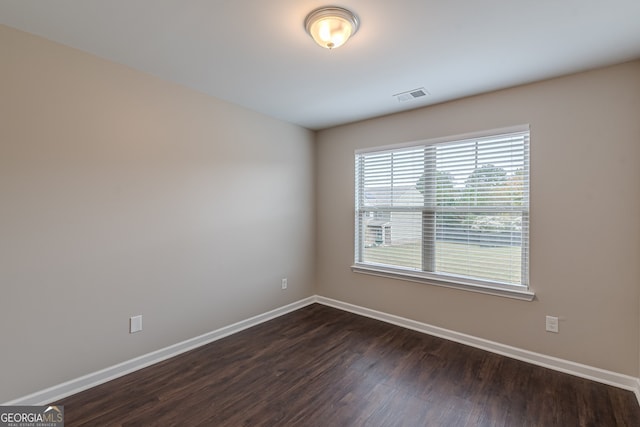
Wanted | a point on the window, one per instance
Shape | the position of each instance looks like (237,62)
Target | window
(452,212)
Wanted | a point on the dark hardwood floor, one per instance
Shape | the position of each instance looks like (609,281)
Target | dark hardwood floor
(319,366)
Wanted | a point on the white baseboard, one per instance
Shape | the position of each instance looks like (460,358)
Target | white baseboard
(589,372)
(77,385)
(85,382)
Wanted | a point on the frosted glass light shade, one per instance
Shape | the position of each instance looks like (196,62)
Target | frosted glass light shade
(331,27)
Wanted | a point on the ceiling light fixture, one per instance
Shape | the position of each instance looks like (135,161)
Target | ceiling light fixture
(331,26)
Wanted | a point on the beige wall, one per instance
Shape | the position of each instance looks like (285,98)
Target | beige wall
(122,194)
(585,228)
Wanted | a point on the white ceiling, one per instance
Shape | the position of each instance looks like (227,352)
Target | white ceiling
(256,53)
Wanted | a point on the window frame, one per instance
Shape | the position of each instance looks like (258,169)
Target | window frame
(522,292)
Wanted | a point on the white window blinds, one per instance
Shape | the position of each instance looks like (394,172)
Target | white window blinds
(453,210)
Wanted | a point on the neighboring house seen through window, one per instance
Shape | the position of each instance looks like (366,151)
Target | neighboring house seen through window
(452,212)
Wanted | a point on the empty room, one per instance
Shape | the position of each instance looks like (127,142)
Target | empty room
(308,213)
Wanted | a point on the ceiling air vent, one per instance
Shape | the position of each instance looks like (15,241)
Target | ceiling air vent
(411,94)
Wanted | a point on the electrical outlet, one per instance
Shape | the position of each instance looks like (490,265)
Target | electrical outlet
(284,283)
(135,324)
(552,324)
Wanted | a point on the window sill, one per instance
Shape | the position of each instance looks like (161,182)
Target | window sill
(497,290)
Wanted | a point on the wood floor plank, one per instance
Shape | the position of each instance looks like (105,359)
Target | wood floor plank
(322,367)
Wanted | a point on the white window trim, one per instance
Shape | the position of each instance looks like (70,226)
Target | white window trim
(508,291)
(489,288)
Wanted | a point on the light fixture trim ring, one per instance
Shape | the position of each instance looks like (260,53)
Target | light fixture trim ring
(323,12)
